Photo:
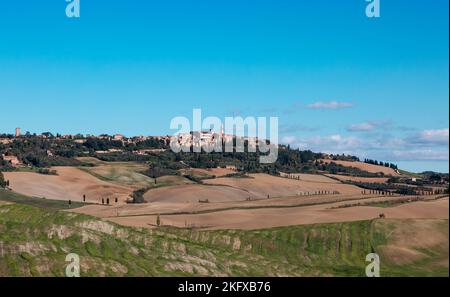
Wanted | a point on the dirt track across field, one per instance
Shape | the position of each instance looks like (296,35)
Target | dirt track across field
(195,193)
(276,217)
(358,178)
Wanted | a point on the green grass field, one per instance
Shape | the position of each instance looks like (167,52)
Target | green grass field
(128,174)
(170,180)
(34,241)
(121,174)
(10,196)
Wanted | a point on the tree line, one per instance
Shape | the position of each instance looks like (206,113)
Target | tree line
(381,163)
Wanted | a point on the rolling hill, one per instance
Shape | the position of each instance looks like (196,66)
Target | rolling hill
(34,242)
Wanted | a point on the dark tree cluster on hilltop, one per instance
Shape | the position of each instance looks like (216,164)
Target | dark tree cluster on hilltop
(380,163)
(102,144)
(149,143)
(34,151)
(343,157)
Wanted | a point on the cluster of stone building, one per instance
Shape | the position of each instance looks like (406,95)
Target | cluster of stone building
(199,139)
(196,139)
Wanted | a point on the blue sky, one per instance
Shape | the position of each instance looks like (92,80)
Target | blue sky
(338,81)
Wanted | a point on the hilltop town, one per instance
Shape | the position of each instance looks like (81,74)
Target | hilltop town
(158,143)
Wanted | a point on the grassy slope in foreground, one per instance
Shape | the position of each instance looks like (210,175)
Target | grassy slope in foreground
(10,196)
(35,241)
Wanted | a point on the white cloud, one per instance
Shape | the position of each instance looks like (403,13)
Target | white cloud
(368,126)
(288,139)
(419,155)
(297,128)
(361,127)
(330,105)
(439,136)
(336,142)
(428,145)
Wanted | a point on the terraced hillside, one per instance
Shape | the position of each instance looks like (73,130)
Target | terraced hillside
(35,241)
